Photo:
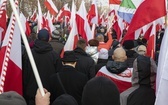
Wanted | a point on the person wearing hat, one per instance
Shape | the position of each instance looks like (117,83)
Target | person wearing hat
(69,80)
(55,43)
(11,98)
(47,61)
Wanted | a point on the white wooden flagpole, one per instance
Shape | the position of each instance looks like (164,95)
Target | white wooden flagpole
(28,49)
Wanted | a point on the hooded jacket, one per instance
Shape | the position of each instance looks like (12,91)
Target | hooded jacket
(100,91)
(143,80)
(117,72)
(47,62)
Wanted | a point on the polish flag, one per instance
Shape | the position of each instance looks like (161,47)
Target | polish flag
(154,12)
(51,7)
(65,11)
(151,42)
(73,35)
(25,24)
(115,2)
(82,23)
(49,23)
(93,13)
(3,20)
(34,15)
(40,17)
(10,59)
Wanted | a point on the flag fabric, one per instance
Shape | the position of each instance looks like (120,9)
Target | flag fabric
(128,8)
(73,35)
(151,11)
(49,23)
(151,42)
(65,11)
(51,7)
(10,59)
(93,13)
(33,16)
(3,20)
(114,1)
(40,17)
(162,73)
(82,23)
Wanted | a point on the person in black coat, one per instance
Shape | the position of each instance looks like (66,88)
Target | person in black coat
(47,61)
(69,80)
(85,63)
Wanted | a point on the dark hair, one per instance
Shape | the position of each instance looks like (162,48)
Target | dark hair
(93,42)
(81,43)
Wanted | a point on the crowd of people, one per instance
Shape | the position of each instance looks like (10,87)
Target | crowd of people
(101,71)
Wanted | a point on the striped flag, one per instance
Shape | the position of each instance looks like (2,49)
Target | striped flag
(51,7)
(10,59)
(127,9)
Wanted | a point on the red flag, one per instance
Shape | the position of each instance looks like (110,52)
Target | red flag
(93,13)
(151,11)
(10,59)
(73,36)
(51,7)
(65,11)
(114,2)
(117,29)
(151,42)
(82,23)
(3,20)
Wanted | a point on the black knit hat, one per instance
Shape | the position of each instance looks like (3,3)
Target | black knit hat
(43,35)
(128,44)
(65,99)
(100,91)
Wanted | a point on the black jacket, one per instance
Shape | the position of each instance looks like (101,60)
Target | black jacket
(85,63)
(73,83)
(47,62)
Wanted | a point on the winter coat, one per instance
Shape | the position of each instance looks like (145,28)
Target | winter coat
(57,45)
(85,63)
(47,61)
(72,81)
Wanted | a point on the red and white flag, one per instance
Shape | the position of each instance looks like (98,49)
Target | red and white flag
(65,11)
(49,23)
(3,20)
(73,35)
(33,16)
(10,59)
(151,11)
(93,13)
(40,17)
(51,7)
(82,23)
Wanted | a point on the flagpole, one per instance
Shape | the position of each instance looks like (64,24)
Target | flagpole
(39,83)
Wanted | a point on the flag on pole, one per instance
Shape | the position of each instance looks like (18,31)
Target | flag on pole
(51,7)
(114,2)
(73,35)
(128,8)
(33,16)
(151,11)
(3,20)
(93,13)
(10,59)
(82,23)
(162,73)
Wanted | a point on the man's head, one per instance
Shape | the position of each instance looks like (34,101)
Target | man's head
(69,58)
(119,55)
(100,38)
(43,35)
(141,50)
(11,98)
(81,44)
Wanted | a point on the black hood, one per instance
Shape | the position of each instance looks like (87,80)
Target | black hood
(116,67)
(42,46)
(65,99)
